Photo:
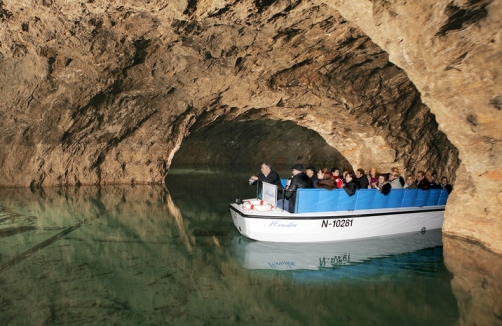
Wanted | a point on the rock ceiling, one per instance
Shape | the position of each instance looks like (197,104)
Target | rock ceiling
(105,92)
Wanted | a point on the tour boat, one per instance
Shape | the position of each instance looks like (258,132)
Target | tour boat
(331,215)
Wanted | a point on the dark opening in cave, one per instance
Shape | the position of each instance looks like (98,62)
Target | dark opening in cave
(249,143)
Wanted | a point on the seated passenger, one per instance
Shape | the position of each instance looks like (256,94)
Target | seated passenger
(395,171)
(394,179)
(372,176)
(335,175)
(361,179)
(299,180)
(435,179)
(350,185)
(382,185)
(344,173)
(445,185)
(310,172)
(430,180)
(422,183)
(410,182)
(324,180)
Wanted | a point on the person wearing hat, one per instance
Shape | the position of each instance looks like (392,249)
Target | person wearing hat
(299,180)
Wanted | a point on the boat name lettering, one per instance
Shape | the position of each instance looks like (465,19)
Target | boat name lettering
(339,223)
(335,260)
(282,224)
(276,264)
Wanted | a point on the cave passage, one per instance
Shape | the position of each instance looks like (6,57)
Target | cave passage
(249,143)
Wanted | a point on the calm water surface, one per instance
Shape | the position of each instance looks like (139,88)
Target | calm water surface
(151,255)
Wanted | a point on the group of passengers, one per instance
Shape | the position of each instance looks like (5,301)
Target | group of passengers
(349,180)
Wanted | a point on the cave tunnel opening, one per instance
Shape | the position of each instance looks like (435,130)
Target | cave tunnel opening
(248,143)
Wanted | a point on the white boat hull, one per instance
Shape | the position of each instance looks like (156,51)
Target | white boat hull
(277,225)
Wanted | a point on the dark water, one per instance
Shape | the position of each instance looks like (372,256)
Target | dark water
(151,255)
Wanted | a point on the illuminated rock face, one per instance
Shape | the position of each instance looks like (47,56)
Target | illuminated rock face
(105,91)
(451,51)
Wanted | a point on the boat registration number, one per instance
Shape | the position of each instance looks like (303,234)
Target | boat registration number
(340,223)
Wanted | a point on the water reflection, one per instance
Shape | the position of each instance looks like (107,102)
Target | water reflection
(349,258)
(477,282)
(155,255)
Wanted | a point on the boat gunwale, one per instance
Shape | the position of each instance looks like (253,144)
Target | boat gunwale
(354,214)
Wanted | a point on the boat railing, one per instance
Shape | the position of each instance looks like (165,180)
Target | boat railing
(322,200)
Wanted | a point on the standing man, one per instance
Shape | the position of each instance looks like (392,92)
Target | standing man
(267,175)
(299,180)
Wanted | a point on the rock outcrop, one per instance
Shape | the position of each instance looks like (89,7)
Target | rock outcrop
(451,51)
(105,91)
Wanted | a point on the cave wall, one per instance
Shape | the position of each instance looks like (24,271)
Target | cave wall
(105,91)
(451,52)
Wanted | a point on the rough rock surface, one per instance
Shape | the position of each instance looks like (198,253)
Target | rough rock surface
(451,50)
(106,91)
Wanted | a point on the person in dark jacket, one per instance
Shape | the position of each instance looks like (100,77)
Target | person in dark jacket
(422,182)
(310,172)
(299,180)
(350,185)
(430,180)
(445,185)
(361,179)
(267,175)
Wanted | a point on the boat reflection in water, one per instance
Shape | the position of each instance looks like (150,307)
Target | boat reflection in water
(419,252)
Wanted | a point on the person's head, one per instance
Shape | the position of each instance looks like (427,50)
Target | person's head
(297,168)
(265,168)
(373,171)
(381,178)
(359,173)
(323,173)
(335,172)
(394,173)
(428,175)
(434,176)
(345,171)
(420,175)
(310,171)
(444,181)
(349,175)
(409,179)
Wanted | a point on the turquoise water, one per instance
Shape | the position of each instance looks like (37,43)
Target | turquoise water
(152,255)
